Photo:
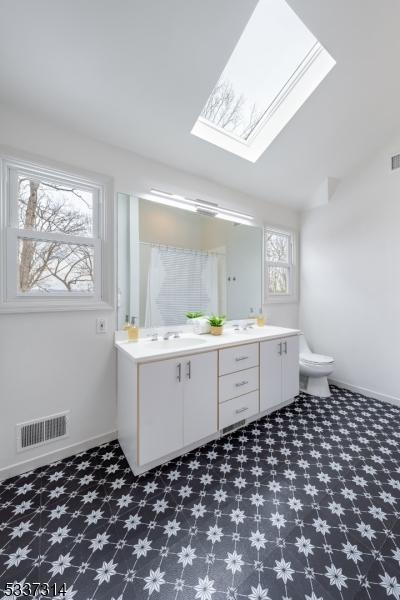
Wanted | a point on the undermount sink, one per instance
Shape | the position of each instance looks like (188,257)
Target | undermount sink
(174,343)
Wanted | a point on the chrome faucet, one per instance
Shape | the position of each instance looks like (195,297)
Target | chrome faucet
(153,336)
(248,326)
(170,334)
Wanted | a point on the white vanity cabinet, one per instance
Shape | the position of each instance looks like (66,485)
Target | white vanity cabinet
(171,404)
(279,371)
(177,404)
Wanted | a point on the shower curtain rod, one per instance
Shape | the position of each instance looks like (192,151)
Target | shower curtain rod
(192,250)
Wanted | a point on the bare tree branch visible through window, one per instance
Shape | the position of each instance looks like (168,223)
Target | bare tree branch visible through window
(52,265)
(277,251)
(277,247)
(228,109)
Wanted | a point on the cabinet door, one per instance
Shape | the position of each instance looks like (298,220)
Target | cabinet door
(160,409)
(290,368)
(270,373)
(200,404)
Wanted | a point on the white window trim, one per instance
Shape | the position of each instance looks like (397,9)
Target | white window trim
(292,297)
(11,300)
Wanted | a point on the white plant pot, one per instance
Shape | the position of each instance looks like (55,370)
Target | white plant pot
(200,325)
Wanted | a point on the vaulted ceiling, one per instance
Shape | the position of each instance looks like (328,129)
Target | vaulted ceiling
(136,73)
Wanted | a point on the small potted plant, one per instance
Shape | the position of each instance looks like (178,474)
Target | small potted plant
(216,324)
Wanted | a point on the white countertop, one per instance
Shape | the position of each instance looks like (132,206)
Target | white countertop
(146,350)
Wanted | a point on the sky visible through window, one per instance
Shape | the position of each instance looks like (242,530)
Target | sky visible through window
(271,50)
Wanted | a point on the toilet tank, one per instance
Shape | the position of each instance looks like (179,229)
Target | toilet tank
(303,346)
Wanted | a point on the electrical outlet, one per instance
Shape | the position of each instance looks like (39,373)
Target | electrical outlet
(101,326)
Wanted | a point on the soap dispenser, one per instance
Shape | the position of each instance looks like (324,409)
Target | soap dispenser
(133,331)
(126,324)
(260,318)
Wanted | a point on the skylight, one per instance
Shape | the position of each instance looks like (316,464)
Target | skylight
(275,66)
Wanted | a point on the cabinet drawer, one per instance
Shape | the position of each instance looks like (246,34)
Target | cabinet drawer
(235,410)
(237,384)
(238,358)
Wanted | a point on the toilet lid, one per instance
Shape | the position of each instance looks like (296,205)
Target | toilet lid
(315,359)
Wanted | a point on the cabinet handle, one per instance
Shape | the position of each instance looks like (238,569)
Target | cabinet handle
(240,383)
(189,370)
(240,410)
(280,349)
(285,347)
(241,358)
(179,375)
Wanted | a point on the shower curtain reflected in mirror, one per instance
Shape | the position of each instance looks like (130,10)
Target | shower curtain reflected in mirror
(179,281)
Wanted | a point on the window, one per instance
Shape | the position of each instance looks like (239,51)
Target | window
(275,66)
(279,280)
(52,238)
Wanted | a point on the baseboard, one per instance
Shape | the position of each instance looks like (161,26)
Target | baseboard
(49,457)
(366,392)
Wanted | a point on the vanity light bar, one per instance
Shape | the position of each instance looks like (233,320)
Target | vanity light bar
(211,207)
(206,211)
(169,202)
(233,218)
(234,213)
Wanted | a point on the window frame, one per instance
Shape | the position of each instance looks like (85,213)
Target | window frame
(292,295)
(11,298)
(300,86)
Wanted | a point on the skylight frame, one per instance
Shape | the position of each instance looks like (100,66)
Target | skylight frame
(303,81)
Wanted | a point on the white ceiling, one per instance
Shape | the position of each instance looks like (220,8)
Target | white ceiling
(136,73)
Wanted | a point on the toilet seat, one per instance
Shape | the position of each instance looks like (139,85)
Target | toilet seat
(309,358)
(314,371)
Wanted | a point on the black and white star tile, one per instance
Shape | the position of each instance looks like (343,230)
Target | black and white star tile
(302,504)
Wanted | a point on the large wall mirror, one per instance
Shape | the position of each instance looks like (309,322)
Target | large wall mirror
(171,261)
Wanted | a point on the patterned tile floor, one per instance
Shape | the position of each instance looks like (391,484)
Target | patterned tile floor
(303,504)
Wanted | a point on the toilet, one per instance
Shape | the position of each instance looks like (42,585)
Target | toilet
(314,371)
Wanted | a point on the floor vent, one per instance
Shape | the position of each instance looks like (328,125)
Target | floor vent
(395,162)
(234,426)
(41,431)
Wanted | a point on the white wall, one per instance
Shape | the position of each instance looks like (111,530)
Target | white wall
(350,277)
(55,361)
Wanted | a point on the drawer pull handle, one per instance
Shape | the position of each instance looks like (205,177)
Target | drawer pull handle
(240,410)
(238,358)
(240,383)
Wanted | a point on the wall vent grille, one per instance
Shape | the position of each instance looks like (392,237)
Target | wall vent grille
(234,426)
(42,431)
(395,162)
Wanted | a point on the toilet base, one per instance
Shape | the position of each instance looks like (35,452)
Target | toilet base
(316,386)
